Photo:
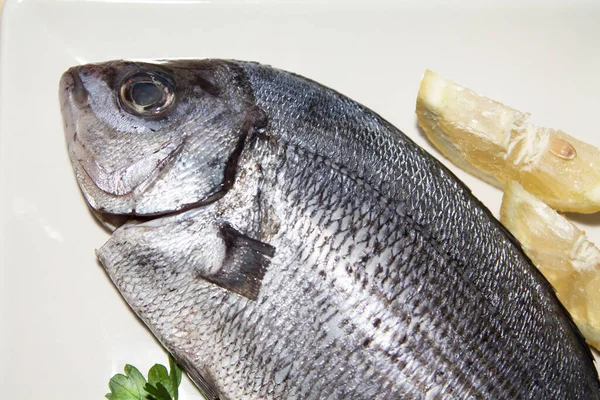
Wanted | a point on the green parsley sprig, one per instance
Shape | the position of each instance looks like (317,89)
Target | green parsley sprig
(161,385)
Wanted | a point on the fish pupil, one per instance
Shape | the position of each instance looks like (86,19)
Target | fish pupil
(145,93)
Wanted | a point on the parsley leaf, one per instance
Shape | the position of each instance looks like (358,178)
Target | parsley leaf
(159,392)
(161,385)
(129,386)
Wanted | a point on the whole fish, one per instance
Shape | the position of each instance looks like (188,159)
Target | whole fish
(284,242)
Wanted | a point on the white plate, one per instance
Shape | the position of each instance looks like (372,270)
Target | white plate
(64,328)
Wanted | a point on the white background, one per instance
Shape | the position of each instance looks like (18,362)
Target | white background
(64,330)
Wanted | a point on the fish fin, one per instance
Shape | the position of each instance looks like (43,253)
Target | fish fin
(245,263)
(206,388)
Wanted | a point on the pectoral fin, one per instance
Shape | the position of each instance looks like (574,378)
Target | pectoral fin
(244,265)
(194,245)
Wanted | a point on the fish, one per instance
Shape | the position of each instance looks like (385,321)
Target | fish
(282,241)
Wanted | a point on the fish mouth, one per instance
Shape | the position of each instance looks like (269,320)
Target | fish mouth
(72,95)
(70,82)
(67,86)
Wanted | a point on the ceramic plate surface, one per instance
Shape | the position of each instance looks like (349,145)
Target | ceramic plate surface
(64,329)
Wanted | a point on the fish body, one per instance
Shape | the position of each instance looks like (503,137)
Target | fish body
(284,242)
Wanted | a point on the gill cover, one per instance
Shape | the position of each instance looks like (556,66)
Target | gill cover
(149,139)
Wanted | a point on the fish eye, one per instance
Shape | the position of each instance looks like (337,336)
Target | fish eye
(146,94)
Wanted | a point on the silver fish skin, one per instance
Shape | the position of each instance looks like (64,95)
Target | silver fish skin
(284,242)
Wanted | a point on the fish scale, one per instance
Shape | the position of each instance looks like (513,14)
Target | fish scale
(413,268)
(295,245)
(412,265)
(416,269)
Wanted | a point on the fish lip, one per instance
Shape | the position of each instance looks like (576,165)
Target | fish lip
(72,88)
(79,93)
(64,95)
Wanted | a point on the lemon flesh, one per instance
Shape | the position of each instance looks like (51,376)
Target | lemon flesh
(561,251)
(495,143)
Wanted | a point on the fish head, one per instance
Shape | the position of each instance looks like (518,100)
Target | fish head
(149,139)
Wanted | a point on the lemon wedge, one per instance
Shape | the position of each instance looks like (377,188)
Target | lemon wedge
(493,142)
(561,251)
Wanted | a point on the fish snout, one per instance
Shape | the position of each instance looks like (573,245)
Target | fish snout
(72,85)
(67,83)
